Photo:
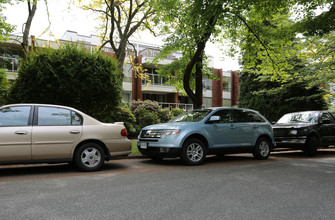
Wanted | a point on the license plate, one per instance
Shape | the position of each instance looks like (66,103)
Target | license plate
(144,145)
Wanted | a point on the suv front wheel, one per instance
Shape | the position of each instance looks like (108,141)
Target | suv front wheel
(193,152)
(262,149)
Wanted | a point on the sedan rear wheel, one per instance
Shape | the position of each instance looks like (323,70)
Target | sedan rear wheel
(89,157)
(193,152)
(262,149)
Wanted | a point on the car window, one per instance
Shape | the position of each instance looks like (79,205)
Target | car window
(326,116)
(53,116)
(77,119)
(15,116)
(224,115)
(245,116)
(333,114)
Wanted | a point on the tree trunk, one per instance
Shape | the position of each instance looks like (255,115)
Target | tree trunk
(31,10)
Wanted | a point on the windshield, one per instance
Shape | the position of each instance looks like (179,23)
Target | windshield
(192,116)
(299,117)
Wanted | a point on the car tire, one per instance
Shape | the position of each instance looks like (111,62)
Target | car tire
(311,146)
(262,149)
(89,157)
(193,152)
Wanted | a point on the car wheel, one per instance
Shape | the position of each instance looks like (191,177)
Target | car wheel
(311,146)
(89,157)
(262,149)
(193,152)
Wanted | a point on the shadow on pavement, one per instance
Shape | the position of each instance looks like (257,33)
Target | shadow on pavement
(52,169)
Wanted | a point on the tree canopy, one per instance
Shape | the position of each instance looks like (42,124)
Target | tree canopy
(5,28)
(120,19)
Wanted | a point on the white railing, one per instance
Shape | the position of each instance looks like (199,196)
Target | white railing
(155,79)
(9,64)
(187,107)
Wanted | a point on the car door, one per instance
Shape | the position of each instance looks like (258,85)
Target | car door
(15,133)
(247,123)
(327,130)
(55,132)
(222,133)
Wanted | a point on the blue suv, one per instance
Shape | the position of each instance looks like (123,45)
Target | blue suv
(195,134)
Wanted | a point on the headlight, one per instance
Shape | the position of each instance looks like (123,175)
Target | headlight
(166,133)
(293,132)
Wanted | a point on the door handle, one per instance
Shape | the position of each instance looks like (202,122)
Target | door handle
(21,132)
(74,132)
(232,127)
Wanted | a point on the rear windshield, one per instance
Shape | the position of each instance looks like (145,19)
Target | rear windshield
(299,117)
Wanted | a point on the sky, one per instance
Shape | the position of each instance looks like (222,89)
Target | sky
(64,16)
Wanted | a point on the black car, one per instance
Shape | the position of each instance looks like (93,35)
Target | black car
(306,130)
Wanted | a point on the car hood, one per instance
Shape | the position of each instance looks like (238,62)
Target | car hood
(291,125)
(172,125)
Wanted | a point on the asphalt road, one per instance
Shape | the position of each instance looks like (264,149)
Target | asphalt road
(286,186)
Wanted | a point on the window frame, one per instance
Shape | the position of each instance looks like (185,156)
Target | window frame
(36,113)
(30,118)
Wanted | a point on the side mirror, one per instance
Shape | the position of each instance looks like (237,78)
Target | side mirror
(325,121)
(214,119)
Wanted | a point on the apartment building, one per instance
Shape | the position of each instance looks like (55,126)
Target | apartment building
(221,92)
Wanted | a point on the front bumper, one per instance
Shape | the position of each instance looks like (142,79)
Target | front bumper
(290,141)
(160,147)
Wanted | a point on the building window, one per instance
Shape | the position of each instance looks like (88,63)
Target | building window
(152,77)
(226,85)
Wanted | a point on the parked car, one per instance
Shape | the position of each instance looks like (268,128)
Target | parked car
(198,133)
(307,130)
(38,133)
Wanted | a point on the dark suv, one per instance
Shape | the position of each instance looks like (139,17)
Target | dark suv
(306,130)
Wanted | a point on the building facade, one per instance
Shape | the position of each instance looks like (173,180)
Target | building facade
(222,91)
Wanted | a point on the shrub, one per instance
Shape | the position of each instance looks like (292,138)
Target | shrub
(164,114)
(88,81)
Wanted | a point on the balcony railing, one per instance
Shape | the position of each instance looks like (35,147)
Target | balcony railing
(9,64)
(155,79)
(187,107)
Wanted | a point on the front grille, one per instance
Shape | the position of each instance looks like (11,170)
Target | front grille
(280,132)
(151,134)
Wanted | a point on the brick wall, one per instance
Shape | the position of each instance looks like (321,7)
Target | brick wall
(217,89)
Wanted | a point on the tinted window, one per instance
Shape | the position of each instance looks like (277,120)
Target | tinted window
(246,116)
(53,116)
(76,119)
(326,116)
(15,116)
(224,115)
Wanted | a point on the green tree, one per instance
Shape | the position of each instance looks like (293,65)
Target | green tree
(215,21)
(4,85)
(120,19)
(5,28)
(274,99)
(88,81)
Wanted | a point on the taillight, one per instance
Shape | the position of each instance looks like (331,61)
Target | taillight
(124,132)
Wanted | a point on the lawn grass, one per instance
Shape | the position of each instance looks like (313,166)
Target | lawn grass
(134,149)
